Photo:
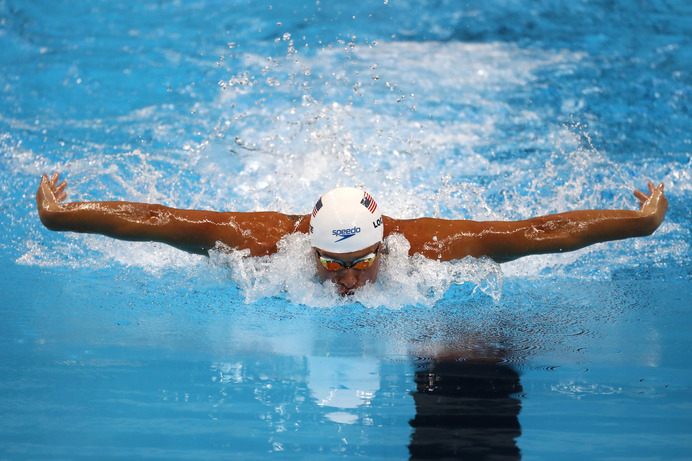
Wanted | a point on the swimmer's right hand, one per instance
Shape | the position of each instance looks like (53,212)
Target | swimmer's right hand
(49,195)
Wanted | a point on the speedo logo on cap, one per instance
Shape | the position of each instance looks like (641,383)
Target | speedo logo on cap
(345,233)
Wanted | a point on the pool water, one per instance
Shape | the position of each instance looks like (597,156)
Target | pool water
(499,110)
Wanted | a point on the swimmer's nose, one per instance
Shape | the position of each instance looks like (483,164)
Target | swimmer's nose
(349,279)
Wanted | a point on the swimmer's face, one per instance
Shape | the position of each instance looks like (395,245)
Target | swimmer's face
(347,278)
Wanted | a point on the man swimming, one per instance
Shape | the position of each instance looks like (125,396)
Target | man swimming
(347,229)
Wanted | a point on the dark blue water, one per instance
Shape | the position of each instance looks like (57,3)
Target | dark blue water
(492,110)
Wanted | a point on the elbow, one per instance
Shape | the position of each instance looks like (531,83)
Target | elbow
(50,220)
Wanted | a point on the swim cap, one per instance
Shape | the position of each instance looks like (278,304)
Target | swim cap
(345,220)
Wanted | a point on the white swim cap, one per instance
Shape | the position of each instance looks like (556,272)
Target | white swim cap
(345,220)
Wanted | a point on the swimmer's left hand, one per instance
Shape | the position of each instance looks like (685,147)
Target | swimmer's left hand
(653,205)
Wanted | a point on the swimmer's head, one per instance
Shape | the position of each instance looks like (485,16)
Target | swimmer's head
(346,232)
(345,220)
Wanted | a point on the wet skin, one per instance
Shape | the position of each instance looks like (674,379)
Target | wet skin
(198,231)
(348,280)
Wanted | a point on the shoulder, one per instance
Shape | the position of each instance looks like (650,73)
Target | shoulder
(270,224)
(426,226)
(256,220)
(443,239)
(257,231)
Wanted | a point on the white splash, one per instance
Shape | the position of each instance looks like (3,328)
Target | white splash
(402,281)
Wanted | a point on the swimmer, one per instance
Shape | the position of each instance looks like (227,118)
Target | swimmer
(347,229)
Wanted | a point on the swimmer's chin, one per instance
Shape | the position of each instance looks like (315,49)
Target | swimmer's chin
(343,291)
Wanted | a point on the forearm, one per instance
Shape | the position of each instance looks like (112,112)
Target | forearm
(563,232)
(194,231)
(132,221)
(502,241)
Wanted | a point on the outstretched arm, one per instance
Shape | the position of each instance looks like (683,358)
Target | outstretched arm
(194,231)
(508,240)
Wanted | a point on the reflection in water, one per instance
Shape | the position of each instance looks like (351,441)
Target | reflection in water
(343,384)
(466,410)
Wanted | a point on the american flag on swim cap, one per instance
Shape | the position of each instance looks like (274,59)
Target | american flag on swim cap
(368,202)
(318,205)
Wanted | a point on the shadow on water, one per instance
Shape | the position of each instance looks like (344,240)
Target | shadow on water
(466,409)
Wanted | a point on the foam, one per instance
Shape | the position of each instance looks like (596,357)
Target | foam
(402,280)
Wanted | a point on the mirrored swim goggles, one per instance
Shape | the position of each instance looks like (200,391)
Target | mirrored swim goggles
(332,264)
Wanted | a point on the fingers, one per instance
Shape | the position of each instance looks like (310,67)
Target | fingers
(59,191)
(640,195)
(655,190)
(652,189)
(56,187)
(654,202)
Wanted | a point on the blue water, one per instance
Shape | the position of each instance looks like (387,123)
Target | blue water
(481,110)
